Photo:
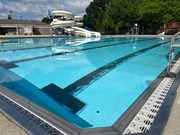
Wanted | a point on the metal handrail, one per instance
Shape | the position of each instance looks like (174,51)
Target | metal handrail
(173,68)
(171,52)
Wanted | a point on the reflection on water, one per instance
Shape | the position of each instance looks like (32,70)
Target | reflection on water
(134,42)
(27,43)
(73,41)
(24,43)
(66,47)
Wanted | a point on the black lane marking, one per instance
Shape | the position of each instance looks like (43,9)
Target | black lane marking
(66,96)
(8,65)
(59,94)
(87,80)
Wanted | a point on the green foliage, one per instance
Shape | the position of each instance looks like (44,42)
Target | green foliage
(95,12)
(118,15)
(9,17)
(153,13)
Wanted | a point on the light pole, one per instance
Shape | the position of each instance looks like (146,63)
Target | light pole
(136,29)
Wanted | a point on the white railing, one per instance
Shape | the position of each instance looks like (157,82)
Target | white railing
(173,45)
(173,67)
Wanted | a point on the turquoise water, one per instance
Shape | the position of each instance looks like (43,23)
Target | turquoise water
(89,82)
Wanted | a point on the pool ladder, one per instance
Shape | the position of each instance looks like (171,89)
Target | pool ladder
(174,68)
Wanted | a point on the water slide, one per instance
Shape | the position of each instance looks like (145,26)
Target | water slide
(77,31)
(66,21)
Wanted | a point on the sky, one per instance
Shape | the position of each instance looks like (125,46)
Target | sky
(38,9)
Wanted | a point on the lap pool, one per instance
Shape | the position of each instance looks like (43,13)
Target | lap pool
(88,82)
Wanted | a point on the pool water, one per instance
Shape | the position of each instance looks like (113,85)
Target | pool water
(89,82)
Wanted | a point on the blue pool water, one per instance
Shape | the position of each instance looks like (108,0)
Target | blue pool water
(89,82)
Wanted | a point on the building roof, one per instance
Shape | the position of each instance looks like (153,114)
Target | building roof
(25,22)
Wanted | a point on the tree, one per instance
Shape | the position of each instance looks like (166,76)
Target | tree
(9,17)
(120,15)
(94,13)
(153,13)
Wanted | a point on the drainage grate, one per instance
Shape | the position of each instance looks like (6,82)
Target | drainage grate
(145,117)
(47,127)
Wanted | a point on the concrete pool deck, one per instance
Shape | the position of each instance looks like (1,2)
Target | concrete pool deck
(8,127)
(173,123)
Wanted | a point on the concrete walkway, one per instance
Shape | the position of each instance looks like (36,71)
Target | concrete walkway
(8,127)
(173,124)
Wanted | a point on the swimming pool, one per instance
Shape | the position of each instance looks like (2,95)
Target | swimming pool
(88,82)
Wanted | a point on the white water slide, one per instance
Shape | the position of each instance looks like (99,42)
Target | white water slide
(67,21)
(77,31)
(62,19)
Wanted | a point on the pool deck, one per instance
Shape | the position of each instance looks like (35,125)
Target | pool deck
(173,123)
(8,127)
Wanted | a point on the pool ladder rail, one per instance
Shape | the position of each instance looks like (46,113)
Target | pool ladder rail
(173,69)
(173,45)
